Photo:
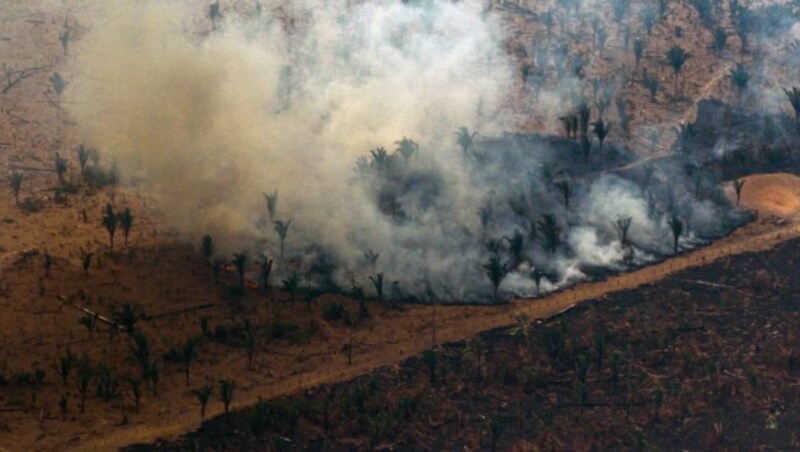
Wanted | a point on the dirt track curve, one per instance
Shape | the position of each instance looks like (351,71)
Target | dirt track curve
(758,236)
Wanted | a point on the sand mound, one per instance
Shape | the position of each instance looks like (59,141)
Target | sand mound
(775,194)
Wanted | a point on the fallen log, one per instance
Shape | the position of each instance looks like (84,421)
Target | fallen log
(99,316)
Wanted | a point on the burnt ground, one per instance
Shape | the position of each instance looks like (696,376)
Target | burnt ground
(704,359)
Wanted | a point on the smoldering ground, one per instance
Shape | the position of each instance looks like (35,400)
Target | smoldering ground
(312,101)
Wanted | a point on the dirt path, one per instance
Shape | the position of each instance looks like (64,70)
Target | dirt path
(759,236)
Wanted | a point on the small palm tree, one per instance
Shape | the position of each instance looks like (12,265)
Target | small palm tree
(249,343)
(622,225)
(203,394)
(85,376)
(64,37)
(188,355)
(226,393)
(720,41)
(86,261)
(282,229)
(214,13)
(407,148)
(110,222)
(153,373)
(794,99)
(90,322)
(638,51)
(372,258)
(377,282)
(61,167)
(136,390)
(652,84)
(465,139)
(207,248)
(291,284)
(266,270)
(240,262)
(601,131)
(676,225)
(272,203)
(737,186)
(16,185)
(740,78)
(566,191)
(126,220)
(59,84)
(496,271)
(551,232)
(684,134)
(127,317)
(677,58)
(83,158)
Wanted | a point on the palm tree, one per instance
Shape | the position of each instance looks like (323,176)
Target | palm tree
(266,270)
(127,317)
(465,139)
(516,243)
(496,271)
(141,352)
(638,50)
(272,203)
(377,282)
(380,160)
(652,84)
(720,41)
(207,248)
(136,390)
(214,14)
(203,394)
(737,186)
(16,185)
(59,85)
(495,427)
(61,167)
(153,373)
(684,134)
(794,100)
(83,158)
(85,376)
(64,38)
(372,258)
(584,116)
(188,354)
(126,219)
(291,284)
(739,78)
(407,148)
(110,222)
(282,229)
(90,322)
(240,262)
(677,57)
(249,343)
(566,191)
(226,393)
(601,130)
(622,225)
(551,231)
(676,225)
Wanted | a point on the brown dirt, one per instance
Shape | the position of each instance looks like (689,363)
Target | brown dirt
(773,194)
